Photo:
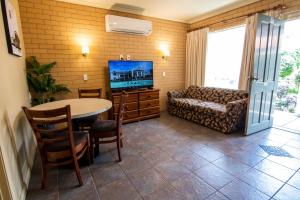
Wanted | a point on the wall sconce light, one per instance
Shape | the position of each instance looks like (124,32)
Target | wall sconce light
(164,49)
(85,50)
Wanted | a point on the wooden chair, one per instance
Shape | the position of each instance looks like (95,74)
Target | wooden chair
(85,123)
(109,131)
(57,143)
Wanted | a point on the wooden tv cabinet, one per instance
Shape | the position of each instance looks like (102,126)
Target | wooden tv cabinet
(139,105)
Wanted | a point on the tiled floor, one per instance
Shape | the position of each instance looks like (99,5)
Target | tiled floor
(170,158)
(287,121)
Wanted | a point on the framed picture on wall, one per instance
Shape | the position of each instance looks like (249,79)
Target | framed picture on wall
(11,28)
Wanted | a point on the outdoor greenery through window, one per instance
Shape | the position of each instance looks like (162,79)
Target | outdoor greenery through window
(289,74)
(224,57)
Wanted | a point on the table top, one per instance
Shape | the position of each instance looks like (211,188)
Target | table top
(79,107)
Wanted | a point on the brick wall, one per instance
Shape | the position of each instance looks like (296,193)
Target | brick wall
(292,11)
(53,32)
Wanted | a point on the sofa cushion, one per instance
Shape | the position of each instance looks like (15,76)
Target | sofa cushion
(217,95)
(196,104)
(221,109)
(194,92)
(223,96)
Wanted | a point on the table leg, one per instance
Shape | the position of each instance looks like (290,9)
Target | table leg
(75,124)
(96,150)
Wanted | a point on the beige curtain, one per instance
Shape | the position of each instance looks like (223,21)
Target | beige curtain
(274,13)
(195,57)
(248,53)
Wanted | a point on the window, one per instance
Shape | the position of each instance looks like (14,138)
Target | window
(224,58)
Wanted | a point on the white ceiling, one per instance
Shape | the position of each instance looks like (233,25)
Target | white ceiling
(187,11)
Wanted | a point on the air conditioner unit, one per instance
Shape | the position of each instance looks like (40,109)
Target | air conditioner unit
(127,25)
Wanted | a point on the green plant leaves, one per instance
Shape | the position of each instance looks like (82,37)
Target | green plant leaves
(42,85)
(286,70)
(289,81)
(297,79)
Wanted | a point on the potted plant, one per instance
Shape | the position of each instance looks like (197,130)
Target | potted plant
(42,85)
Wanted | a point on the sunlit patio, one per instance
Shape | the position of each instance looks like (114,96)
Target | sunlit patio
(287,121)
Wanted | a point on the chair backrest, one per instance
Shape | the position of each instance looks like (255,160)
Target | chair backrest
(51,126)
(120,115)
(90,93)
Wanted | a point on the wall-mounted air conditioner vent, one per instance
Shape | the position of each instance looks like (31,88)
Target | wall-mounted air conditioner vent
(127,25)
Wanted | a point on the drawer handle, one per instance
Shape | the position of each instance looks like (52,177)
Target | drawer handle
(149,96)
(149,104)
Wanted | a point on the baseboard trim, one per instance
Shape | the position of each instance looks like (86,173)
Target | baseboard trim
(27,175)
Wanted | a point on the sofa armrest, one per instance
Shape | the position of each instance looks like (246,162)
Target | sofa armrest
(236,114)
(177,94)
(237,105)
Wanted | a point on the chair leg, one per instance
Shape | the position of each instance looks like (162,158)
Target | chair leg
(121,143)
(44,175)
(91,152)
(121,138)
(90,149)
(89,155)
(119,152)
(77,170)
(96,150)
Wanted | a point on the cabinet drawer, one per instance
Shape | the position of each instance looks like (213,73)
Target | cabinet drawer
(149,111)
(129,98)
(149,103)
(127,107)
(131,114)
(149,95)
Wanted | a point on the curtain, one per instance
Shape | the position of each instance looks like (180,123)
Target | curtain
(274,13)
(195,57)
(248,53)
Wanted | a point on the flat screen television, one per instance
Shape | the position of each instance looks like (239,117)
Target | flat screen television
(130,74)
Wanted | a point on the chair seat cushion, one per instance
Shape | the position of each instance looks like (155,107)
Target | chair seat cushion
(85,121)
(89,119)
(196,104)
(79,138)
(104,125)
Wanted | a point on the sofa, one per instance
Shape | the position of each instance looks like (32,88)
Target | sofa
(220,109)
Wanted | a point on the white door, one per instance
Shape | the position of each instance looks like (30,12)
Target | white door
(263,83)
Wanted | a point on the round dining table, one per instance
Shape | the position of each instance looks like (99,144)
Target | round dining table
(80,108)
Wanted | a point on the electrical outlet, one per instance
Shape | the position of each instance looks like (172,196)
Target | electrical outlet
(121,57)
(128,57)
(85,77)
(164,74)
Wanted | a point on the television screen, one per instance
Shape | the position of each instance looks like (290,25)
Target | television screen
(130,74)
